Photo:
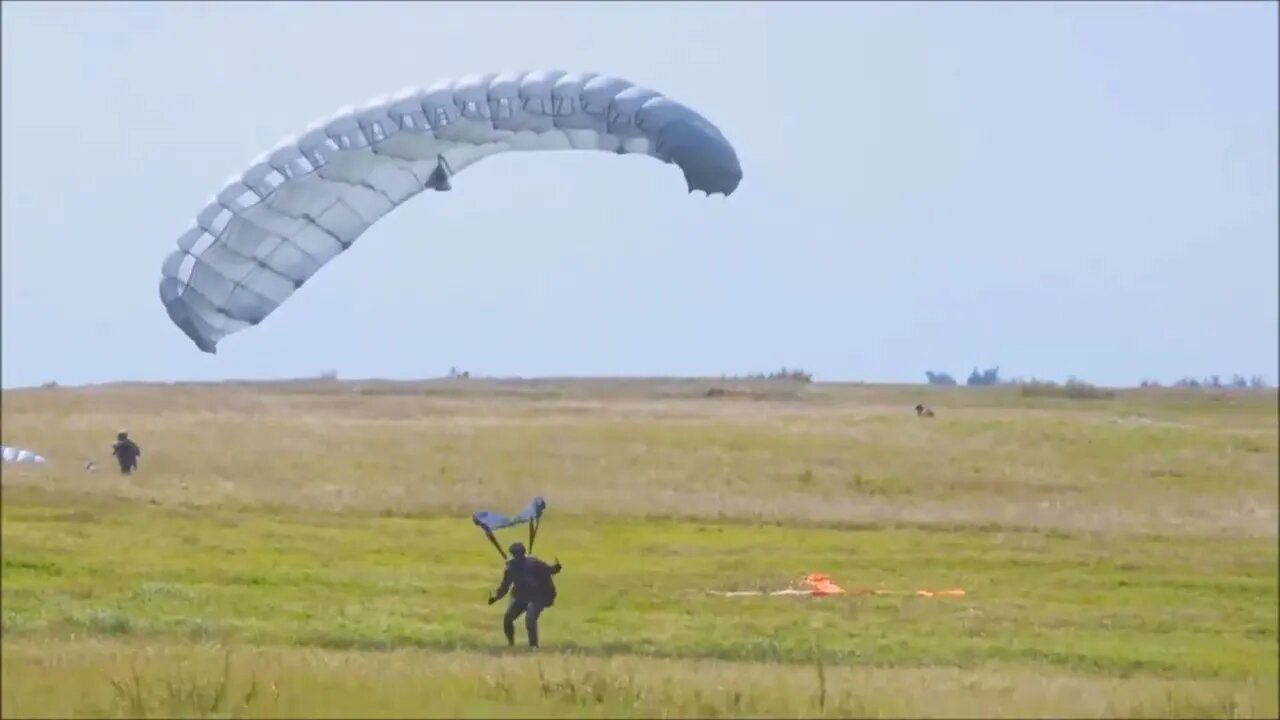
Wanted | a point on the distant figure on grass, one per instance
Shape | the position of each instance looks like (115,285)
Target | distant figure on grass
(532,591)
(922,411)
(127,452)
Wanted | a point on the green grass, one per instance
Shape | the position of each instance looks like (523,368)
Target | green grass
(1179,608)
(1116,553)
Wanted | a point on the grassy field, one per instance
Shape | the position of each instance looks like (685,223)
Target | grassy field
(305,548)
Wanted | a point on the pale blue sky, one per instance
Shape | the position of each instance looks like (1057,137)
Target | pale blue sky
(1078,189)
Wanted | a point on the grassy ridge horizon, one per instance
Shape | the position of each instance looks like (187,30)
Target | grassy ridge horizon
(784,375)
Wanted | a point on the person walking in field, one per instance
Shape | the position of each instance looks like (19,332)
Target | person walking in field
(127,452)
(532,591)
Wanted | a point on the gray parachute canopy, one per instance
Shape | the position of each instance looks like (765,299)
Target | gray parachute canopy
(300,205)
(20,455)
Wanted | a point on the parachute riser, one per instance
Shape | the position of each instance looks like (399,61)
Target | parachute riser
(496,546)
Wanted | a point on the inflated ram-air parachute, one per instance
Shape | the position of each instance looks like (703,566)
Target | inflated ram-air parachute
(300,205)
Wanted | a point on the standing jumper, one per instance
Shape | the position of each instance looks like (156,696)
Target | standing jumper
(127,452)
(533,591)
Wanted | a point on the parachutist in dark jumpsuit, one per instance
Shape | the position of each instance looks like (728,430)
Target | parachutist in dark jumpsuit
(127,452)
(533,591)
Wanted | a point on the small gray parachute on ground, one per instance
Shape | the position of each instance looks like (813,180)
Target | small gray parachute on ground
(19,455)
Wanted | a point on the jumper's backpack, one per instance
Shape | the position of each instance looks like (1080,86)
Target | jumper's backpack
(542,573)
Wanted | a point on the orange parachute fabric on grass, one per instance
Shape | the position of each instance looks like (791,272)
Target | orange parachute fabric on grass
(821,585)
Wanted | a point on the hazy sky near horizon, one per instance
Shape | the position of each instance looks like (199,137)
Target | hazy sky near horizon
(1082,189)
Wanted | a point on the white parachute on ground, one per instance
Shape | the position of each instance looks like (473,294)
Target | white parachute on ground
(18,455)
(300,205)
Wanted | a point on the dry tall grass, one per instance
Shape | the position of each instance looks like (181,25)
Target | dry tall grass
(1167,461)
(135,680)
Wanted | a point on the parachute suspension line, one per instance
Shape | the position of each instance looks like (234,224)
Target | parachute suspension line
(439,179)
(496,546)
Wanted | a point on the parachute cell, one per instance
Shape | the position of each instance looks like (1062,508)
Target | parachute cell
(303,203)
